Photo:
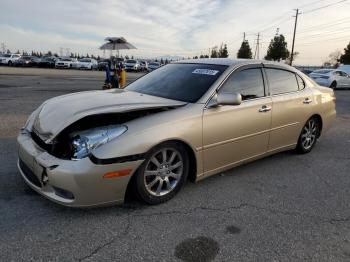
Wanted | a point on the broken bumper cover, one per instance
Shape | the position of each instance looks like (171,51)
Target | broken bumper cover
(72,183)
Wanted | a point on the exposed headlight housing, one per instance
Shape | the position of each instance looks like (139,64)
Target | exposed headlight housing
(84,142)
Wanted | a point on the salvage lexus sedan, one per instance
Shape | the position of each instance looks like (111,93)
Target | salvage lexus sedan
(186,120)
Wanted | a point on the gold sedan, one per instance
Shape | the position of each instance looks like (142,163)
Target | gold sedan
(185,120)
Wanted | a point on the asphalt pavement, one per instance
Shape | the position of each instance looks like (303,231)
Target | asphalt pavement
(286,207)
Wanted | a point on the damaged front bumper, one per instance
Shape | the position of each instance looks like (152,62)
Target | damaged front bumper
(79,183)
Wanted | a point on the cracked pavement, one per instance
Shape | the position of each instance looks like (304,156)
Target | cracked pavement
(286,207)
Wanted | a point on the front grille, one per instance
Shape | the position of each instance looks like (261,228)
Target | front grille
(28,173)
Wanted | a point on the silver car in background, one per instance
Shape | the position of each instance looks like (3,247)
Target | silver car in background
(153,66)
(331,78)
(87,63)
(132,65)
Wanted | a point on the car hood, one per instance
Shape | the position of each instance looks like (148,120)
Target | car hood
(58,113)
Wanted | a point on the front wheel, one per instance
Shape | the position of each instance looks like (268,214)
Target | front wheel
(162,174)
(333,85)
(309,134)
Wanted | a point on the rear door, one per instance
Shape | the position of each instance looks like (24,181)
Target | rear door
(291,103)
(235,133)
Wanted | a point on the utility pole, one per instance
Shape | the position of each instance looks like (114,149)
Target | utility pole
(295,29)
(243,36)
(256,54)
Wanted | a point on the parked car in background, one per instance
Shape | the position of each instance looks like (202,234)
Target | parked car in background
(47,61)
(153,66)
(66,63)
(332,78)
(88,148)
(143,65)
(306,71)
(132,65)
(9,59)
(101,66)
(27,61)
(87,63)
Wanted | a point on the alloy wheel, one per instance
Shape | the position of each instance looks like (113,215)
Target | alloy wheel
(163,171)
(309,134)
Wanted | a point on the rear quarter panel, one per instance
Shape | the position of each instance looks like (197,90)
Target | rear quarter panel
(324,105)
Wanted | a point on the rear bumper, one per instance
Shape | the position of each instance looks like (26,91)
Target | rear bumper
(71,183)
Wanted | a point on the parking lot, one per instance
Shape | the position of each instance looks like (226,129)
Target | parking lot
(286,207)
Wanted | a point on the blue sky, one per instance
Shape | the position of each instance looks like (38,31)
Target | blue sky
(176,27)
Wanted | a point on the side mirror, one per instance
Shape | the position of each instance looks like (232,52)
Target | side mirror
(231,99)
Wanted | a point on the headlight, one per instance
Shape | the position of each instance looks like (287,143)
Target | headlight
(86,141)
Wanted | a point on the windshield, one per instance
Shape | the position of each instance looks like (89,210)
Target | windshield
(131,61)
(183,82)
(66,59)
(154,64)
(85,60)
(7,55)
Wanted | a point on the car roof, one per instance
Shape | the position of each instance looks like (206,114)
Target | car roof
(232,62)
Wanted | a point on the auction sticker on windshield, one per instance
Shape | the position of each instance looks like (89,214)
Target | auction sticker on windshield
(205,72)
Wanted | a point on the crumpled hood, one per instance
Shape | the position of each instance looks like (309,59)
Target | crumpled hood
(58,113)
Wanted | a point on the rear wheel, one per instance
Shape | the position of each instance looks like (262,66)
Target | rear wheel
(162,174)
(309,135)
(9,63)
(333,85)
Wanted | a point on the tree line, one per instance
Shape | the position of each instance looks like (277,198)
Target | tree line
(277,51)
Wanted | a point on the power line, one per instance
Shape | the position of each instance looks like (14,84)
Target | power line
(269,24)
(323,26)
(340,30)
(328,39)
(322,7)
(312,3)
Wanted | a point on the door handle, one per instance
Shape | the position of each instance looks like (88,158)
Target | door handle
(264,109)
(307,101)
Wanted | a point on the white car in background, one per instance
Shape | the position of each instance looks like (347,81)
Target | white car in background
(153,66)
(87,63)
(66,62)
(132,65)
(143,65)
(332,78)
(9,59)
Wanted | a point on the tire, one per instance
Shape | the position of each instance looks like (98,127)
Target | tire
(9,63)
(158,180)
(307,138)
(333,85)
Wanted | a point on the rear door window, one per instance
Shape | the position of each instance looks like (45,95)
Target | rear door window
(281,81)
(249,83)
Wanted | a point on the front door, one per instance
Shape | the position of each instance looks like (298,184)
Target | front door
(235,133)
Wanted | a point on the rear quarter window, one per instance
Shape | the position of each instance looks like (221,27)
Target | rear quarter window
(301,82)
(281,81)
